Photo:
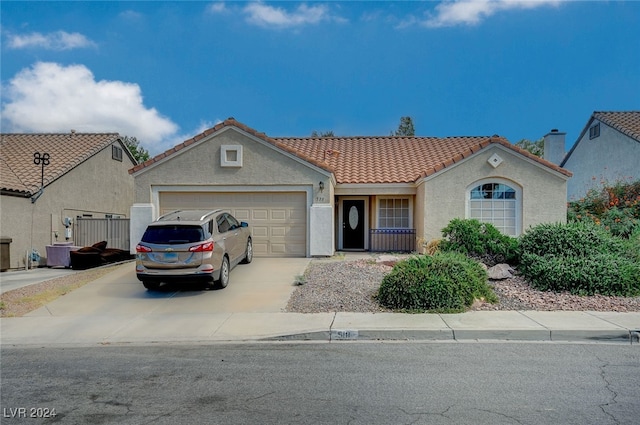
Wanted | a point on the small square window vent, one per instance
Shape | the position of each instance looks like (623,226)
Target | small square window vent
(495,160)
(594,131)
(231,156)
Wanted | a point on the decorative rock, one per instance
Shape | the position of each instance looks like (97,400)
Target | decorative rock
(500,272)
(387,260)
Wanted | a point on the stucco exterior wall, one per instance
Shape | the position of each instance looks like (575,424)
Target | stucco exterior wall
(263,168)
(611,157)
(419,218)
(200,165)
(444,195)
(98,186)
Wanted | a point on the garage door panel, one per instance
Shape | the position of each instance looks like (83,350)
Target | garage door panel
(278,215)
(260,214)
(277,219)
(278,248)
(260,231)
(242,214)
(260,248)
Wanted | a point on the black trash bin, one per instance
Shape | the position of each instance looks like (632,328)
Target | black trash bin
(5,256)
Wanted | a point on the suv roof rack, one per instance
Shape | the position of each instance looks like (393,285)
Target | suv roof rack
(187,215)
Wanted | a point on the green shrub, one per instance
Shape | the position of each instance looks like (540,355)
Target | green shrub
(631,246)
(604,274)
(444,282)
(570,239)
(481,241)
(615,207)
(581,258)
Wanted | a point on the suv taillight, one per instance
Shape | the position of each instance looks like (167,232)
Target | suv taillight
(202,247)
(142,248)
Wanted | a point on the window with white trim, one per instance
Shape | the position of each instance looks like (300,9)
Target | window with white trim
(393,213)
(495,203)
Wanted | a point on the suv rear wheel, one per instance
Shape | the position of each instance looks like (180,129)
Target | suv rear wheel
(223,281)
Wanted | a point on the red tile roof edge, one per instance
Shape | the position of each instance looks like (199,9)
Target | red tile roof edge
(232,122)
(609,118)
(500,141)
(229,122)
(529,155)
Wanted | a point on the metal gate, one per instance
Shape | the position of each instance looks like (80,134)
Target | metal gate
(87,231)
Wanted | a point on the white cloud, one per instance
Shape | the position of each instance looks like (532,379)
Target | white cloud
(131,15)
(49,97)
(472,12)
(59,40)
(176,139)
(217,7)
(270,16)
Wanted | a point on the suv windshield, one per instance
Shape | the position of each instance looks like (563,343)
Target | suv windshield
(173,234)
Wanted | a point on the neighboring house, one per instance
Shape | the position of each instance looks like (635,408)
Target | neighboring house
(86,176)
(313,196)
(607,150)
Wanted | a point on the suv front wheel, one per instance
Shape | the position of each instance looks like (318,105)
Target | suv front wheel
(249,253)
(223,281)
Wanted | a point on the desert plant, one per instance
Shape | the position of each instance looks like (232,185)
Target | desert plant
(481,241)
(443,282)
(432,246)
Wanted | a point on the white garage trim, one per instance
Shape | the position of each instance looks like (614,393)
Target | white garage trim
(305,190)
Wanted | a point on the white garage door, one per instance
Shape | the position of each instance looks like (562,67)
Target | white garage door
(278,219)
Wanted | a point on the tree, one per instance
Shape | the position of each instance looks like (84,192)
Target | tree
(405,128)
(536,148)
(139,153)
(322,134)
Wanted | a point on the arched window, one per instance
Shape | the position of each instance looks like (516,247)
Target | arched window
(495,202)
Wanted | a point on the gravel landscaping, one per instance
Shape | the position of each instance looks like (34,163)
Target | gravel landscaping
(349,286)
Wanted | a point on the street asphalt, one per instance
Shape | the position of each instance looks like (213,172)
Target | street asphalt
(116,309)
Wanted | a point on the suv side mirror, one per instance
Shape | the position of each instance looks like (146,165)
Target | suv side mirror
(244,224)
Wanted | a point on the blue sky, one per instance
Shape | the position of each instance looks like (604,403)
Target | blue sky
(164,71)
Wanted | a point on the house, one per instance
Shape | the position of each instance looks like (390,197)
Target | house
(607,150)
(313,196)
(48,180)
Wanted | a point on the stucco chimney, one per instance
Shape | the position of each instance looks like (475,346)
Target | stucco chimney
(554,146)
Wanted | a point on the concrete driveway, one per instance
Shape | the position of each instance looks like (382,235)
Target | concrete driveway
(264,286)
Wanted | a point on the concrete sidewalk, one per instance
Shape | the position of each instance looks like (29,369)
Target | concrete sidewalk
(115,309)
(237,327)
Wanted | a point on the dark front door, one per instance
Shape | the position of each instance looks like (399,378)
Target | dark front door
(353,224)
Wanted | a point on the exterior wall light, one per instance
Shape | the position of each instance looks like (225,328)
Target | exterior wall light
(321,186)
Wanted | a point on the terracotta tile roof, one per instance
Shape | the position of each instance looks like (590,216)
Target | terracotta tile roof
(371,159)
(396,159)
(19,174)
(626,122)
